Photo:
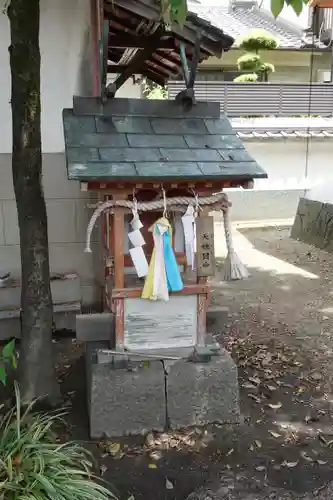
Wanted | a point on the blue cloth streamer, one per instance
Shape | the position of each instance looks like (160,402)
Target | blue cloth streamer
(174,280)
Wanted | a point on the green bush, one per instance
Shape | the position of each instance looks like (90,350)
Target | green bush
(267,68)
(33,466)
(249,62)
(258,39)
(253,77)
(253,43)
(7,359)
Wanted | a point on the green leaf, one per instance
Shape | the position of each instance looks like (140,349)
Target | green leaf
(8,350)
(3,376)
(14,362)
(297,5)
(276,7)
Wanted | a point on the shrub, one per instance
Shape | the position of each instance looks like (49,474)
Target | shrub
(249,62)
(7,359)
(253,43)
(33,466)
(258,39)
(253,77)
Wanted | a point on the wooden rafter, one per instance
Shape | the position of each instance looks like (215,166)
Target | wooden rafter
(139,42)
(134,67)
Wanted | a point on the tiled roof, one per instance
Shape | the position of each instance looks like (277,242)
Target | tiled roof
(238,20)
(283,128)
(137,139)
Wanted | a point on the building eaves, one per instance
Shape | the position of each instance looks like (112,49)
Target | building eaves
(270,128)
(239,19)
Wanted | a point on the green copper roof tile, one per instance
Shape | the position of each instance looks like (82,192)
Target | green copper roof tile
(144,145)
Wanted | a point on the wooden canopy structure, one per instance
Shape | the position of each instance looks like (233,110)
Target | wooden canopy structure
(135,41)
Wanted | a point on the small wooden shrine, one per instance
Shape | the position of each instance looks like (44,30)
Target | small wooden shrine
(150,162)
(149,159)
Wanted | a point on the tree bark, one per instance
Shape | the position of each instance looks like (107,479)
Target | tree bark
(36,371)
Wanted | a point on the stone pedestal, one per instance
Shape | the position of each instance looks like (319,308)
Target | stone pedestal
(314,224)
(203,393)
(127,396)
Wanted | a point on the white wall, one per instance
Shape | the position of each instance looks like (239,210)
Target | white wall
(285,163)
(65,71)
(64,46)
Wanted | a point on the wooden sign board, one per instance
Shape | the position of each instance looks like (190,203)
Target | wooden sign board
(205,246)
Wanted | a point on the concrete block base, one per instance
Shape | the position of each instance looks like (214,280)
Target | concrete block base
(95,328)
(203,393)
(123,402)
(216,319)
(313,224)
(130,399)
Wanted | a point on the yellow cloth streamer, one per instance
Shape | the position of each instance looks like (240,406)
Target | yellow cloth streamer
(148,289)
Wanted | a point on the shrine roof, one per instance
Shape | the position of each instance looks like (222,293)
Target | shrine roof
(143,140)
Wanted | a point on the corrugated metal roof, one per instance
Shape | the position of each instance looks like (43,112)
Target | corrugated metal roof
(238,20)
(136,139)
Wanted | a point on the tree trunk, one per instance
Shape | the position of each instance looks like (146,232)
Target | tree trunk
(37,377)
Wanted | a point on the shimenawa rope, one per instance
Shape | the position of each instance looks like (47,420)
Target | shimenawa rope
(235,269)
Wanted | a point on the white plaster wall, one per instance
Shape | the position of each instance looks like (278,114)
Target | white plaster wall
(65,71)
(285,163)
(64,46)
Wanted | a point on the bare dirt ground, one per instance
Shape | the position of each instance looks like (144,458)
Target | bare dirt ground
(280,334)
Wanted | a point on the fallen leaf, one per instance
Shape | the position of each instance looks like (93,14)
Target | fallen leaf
(321,462)
(267,359)
(290,465)
(258,444)
(113,448)
(274,434)
(152,466)
(322,439)
(150,440)
(271,387)
(168,484)
(156,455)
(316,376)
(306,457)
(230,452)
(275,406)
(103,469)
(248,385)
(131,498)
(260,468)
(256,399)
(255,380)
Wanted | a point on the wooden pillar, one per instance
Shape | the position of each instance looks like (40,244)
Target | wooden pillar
(118,233)
(118,230)
(202,298)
